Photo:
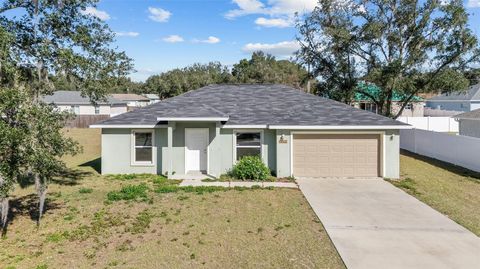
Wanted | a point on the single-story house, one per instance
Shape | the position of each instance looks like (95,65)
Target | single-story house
(469,123)
(152,97)
(295,133)
(133,100)
(413,109)
(457,101)
(74,102)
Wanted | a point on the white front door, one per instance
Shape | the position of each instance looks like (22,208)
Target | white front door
(196,143)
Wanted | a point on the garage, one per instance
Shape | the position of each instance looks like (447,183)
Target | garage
(336,155)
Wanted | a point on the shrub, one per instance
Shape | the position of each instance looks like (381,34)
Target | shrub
(131,192)
(250,167)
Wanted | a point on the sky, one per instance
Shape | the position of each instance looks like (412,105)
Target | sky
(164,34)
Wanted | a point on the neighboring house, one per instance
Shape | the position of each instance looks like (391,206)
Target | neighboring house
(413,109)
(469,123)
(152,97)
(133,100)
(74,102)
(458,101)
(209,129)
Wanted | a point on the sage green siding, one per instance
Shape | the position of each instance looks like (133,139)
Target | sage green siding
(283,154)
(117,150)
(116,153)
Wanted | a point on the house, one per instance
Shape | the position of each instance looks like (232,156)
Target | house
(469,123)
(457,101)
(295,133)
(74,102)
(413,109)
(133,100)
(152,97)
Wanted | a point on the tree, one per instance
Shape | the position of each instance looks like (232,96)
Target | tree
(264,68)
(401,46)
(49,39)
(178,81)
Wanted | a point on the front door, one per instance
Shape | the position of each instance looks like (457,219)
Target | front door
(196,143)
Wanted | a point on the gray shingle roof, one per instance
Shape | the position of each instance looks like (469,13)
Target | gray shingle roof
(247,104)
(474,115)
(473,93)
(75,98)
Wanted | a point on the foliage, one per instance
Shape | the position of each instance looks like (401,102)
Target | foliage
(408,46)
(264,68)
(180,80)
(261,68)
(49,44)
(130,192)
(250,167)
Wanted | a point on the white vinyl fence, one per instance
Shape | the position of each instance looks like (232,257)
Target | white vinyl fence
(456,149)
(436,124)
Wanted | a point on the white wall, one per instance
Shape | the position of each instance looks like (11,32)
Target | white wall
(456,149)
(90,109)
(436,124)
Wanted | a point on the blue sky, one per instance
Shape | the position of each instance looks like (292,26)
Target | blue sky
(163,34)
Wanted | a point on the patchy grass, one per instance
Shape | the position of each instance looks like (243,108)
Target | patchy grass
(450,189)
(179,227)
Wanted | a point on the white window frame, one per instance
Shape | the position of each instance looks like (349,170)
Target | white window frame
(97,110)
(133,147)
(75,109)
(235,132)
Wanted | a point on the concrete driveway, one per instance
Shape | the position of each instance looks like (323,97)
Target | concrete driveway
(376,225)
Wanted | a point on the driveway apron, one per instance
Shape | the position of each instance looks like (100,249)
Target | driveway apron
(376,225)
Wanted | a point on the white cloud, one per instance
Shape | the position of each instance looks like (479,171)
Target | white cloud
(285,48)
(473,3)
(273,8)
(159,14)
(280,23)
(173,39)
(102,15)
(209,40)
(127,34)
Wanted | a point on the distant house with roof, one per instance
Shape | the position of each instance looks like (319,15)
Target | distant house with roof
(415,108)
(469,123)
(133,100)
(152,97)
(74,102)
(457,101)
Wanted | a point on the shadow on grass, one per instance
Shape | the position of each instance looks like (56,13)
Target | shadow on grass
(461,171)
(28,206)
(95,164)
(68,177)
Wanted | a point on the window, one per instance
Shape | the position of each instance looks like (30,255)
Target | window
(248,144)
(75,110)
(372,107)
(143,147)
(97,110)
(408,106)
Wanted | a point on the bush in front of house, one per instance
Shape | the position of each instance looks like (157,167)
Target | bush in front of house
(250,168)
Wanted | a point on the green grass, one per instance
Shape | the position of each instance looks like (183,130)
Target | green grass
(450,189)
(178,227)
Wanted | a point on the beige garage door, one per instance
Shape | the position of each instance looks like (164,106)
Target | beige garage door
(333,155)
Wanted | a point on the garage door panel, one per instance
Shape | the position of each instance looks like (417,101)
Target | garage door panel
(343,155)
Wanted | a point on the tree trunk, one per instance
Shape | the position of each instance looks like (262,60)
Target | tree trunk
(41,188)
(3,206)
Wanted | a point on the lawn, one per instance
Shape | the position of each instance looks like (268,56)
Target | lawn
(148,222)
(450,189)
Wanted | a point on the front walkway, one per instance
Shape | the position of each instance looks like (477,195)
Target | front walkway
(375,225)
(227,184)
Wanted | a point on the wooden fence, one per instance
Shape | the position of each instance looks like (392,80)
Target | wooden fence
(84,121)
